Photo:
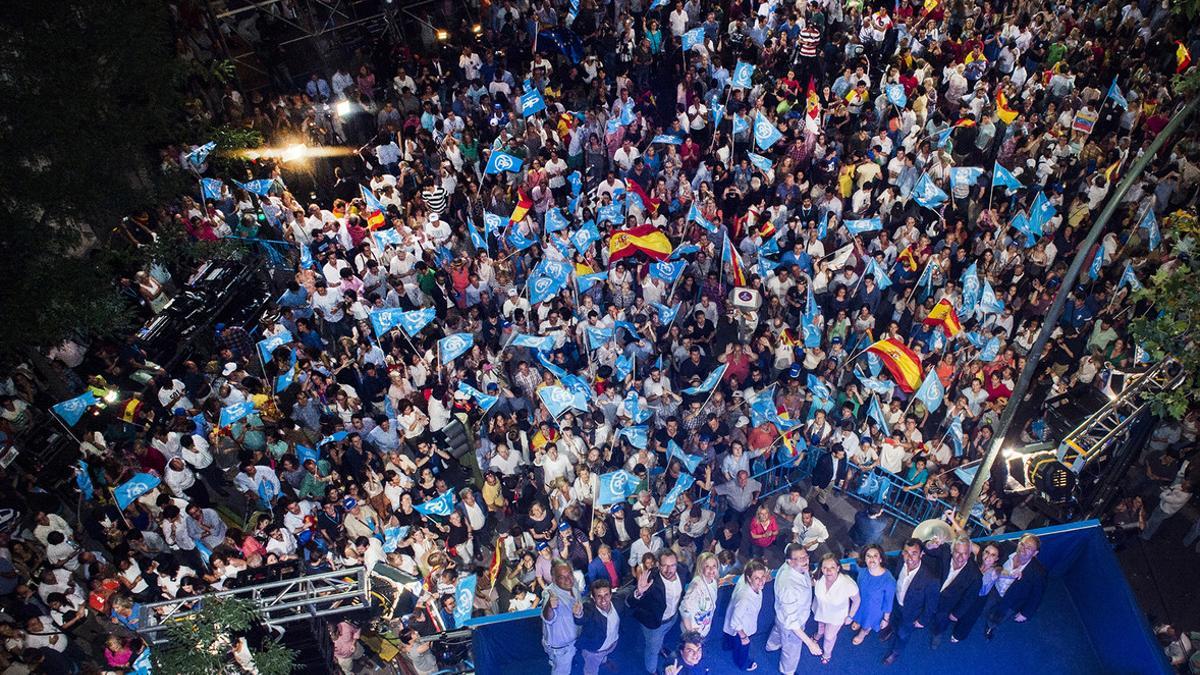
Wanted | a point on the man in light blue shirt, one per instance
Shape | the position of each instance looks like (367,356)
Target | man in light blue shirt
(560,608)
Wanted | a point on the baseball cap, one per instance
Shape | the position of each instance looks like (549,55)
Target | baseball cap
(349,503)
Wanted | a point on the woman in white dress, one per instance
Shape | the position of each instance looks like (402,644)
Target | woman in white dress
(700,600)
(835,601)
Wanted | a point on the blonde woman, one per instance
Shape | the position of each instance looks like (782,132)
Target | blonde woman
(700,599)
(835,600)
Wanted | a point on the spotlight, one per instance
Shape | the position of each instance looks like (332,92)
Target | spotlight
(477,29)
(294,152)
(1056,481)
(110,396)
(443,34)
(343,108)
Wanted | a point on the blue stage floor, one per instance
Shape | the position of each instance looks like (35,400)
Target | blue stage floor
(1055,641)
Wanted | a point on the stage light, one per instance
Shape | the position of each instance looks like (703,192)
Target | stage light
(343,108)
(477,29)
(294,152)
(1055,480)
(443,34)
(110,396)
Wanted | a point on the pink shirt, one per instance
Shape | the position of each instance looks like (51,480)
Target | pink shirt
(346,640)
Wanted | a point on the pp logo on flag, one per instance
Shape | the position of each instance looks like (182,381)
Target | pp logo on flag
(619,483)
(454,344)
(466,597)
(503,162)
(762,132)
(440,507)
(133,490)
(561,397)
(542,286)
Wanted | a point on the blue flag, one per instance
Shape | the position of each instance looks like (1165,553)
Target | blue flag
(335,437)
(927,193)
(613,213)
(818,388)
(875,412)
(626,116)
(583,238)
(83,480)
(531,103)
(861,226)
(142,665)
(668,139)
(1020,223)
(260,187)
(955,433)
(695,215)
(518,240)
(502,161)
(464,600)
(689,462)
(232,414)
(484,401)
(931,391)
(1128,277)
(668,271)
(1040,213)
(638,436)
(199,155)
(477,239)
(1004,177)
(1114,92)
(306,259)
(383,320)
(72,409)
(742,74)
(895,95)
(442,505)
(616,487)
(586,281)
(543,343)
(494,224)
(549,365)
(666,315)
(926,279)
(414,321)
(633,404)
(1150,225)
(875,385)
(133,488)
(667,507)
(558,400)
(211,188)
(709,382)
(876,270)
(968,175)
(632,329)
(990,350)
(285,380)
(623,367)
(392,536)
(453,346)
(597,335)
(556,221)
(268,345)
(766,134)
(305,453)
(761,163)
(693,38)
(1097,266)
(549,278)
(874,364)
(682,250)
(369,198)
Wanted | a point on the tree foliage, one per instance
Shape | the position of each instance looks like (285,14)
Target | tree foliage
(201,644)
(88,91)
(1169,329)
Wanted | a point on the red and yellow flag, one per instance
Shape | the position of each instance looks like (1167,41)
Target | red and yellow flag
(901,362)
(907,259)
(964,122)
(1183,58)
(643,238)
(524,203)
(943,315)
(812,108)
(1005,113)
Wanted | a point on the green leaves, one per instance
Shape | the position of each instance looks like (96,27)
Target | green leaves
(201,645)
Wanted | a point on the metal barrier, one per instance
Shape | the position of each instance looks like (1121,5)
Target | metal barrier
(912,506)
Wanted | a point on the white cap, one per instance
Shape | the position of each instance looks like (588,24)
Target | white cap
(229,369)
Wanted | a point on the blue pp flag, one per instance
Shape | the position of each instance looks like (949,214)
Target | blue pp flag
(626,117)
(1114,92)
(1004,177)
(818,388)
(142,664)
(874,364)
(286,379)
(875,385)
(484,401)
(597,335)
(633,403)
(709,382)
(875,412)
(383,320)
(268,345)
(558,400)
(876,270)
(1020,223)
(990,350)
(927,193)
(266,494)
(964,175)
(453,346)
(667,507)
(199,155)
(232,414)
(616,487)
(549,365)
(586,281)
(668,139)
(742,74)
(72,409)
(305,453)
(494,224)
(1150,225)
(412,322)
(442,505)
(690,462)
(766,134)
(543,287)
(477,239)
(638,436)
(389,237)
(862,225)
(931,391)
(543,343)
(693,38)
(392,536)
(464,599)
(335,437)
(1040,213)
(502,161)
(531,103)
(761,163)
(988,302)
(668,271)
(1097,266)
(369,198)
(740,124)
(1129,278)
(623,367)
(895,95)
(613,213)
(518,240)
(260,187)
(583,238)
(666,315)
(955,433)
(306,259)
(83,480)
(133,488)
(211,188)
(682,250)
(556,221)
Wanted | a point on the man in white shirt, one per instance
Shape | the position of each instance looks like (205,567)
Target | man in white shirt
(808,531)
(793,605)
(600,623)
(741,619)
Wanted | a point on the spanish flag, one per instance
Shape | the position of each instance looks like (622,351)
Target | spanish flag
(644,238)
(730,255)
(1005,113)
(901,362)
(1183,58)
(964,122)
(930,5)
(493,572)
(812,109)
(524,203)
(767,230)
(907,259)
(1113,170)
(943,315)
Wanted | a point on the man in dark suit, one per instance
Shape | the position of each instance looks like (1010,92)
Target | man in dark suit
(1020,586)
(655,604)
(830,470)
(917,587)
(960,579)
(600,627)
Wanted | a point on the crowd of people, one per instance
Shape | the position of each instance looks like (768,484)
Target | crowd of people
(619,291)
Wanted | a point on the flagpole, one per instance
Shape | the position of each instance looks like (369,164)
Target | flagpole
(65,427)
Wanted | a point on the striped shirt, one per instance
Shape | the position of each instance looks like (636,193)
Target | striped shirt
(810,39)
(436,198)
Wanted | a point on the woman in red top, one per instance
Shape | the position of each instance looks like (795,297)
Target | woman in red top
(764,529)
